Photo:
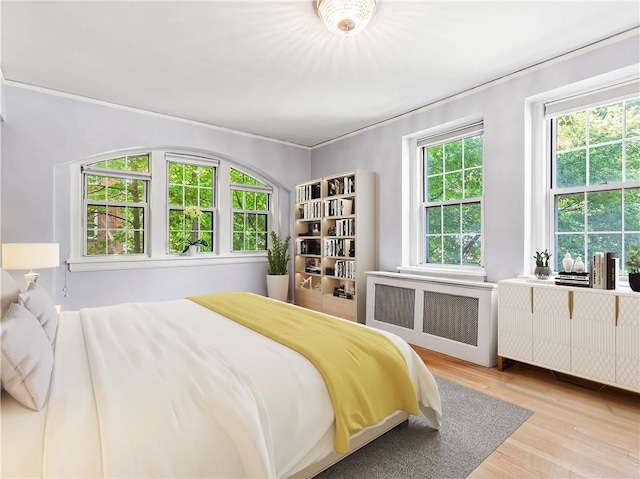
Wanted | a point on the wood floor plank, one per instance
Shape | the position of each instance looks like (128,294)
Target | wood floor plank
(574,431)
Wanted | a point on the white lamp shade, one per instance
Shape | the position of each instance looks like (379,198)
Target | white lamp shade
(30,255)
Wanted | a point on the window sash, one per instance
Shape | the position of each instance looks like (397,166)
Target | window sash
(244,232)
(266,213)
(452,135)
(133,175)
(186,231)
(189,160)
(562,239)
(460,234)
(87,202)
(467,131)
(591,99)
(252,188)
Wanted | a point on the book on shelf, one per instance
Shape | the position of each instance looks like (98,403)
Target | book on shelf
(572,282)
(341,186)
(579,284)
(308,246)
(567,278)
(605,269)
(308,192)
(597,269)
(338,207)
(612,270)
(573,275)
(311,210)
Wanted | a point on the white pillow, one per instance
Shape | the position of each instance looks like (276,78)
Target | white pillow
(39,303)
(10,292)
(27,358)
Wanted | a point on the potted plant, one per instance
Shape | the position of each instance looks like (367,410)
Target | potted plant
(277,274)
(542,271)
(193,214)
(633,267)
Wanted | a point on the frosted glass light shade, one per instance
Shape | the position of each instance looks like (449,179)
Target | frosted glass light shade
(346,17)
(30,255)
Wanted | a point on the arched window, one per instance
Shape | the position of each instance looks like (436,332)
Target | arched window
(145,208)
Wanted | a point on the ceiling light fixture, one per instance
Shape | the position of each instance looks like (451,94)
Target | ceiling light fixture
(346,17)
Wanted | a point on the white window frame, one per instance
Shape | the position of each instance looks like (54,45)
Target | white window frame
(255,189)
(195,161)
(126,175)
(413,227)
(583,102)
(157,218)
(539,207)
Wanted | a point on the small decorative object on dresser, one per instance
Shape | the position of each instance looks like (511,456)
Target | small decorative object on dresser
(542,270)
(633,266)
(567,262)
(578,266)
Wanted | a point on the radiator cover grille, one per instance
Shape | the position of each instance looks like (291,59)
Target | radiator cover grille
(451,316)
(394,305)
(457,318)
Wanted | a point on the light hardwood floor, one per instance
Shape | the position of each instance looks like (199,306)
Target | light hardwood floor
(573,432)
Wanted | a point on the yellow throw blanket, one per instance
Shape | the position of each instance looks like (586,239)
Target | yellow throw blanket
(366,374)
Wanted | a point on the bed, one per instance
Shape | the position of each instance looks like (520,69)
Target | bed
(174,389)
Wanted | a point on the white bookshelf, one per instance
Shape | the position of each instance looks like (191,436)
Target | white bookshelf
(335,243)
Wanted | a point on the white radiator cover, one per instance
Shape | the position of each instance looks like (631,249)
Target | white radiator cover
(453,317)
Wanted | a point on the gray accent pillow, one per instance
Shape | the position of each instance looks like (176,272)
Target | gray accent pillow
(39,303)
(27,358)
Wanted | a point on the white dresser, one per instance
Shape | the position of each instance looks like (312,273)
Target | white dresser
(588,333)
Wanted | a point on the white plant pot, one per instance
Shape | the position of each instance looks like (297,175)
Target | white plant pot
(193,250)
(278,286)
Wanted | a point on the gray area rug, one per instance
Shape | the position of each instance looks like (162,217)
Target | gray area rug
(474,426)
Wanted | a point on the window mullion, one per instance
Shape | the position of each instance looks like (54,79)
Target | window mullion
(157,217)
(224,215)
(587,152)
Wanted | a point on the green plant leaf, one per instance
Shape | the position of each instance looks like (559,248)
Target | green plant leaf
(278,254)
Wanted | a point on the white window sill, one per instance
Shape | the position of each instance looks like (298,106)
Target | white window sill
(466,273)
(175,261)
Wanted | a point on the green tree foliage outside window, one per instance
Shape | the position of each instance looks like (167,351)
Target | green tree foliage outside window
(190,185)
(452,190)
(115,205)
(596,185)
(250,211)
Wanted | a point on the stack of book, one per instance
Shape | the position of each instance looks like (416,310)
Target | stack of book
(574,279)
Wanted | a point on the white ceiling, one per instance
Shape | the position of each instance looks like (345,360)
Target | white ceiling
(272,68)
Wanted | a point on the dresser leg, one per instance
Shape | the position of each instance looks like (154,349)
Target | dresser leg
(504,363)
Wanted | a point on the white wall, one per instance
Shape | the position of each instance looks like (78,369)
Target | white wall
(502,104)
(43,132)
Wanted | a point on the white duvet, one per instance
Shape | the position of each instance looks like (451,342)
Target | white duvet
(173,389)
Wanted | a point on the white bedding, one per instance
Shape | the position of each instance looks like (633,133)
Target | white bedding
(174,389)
